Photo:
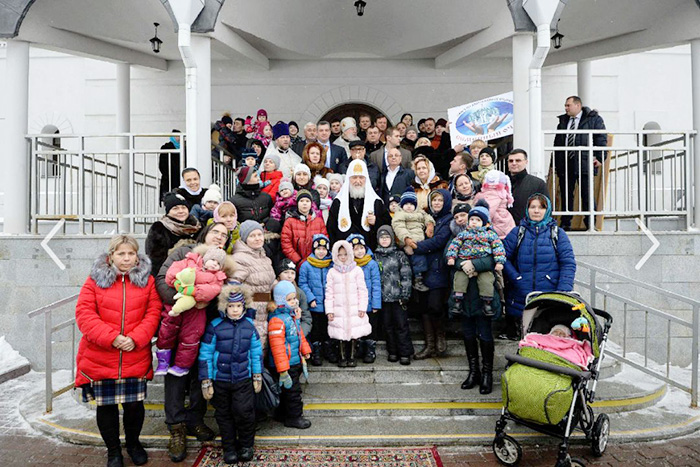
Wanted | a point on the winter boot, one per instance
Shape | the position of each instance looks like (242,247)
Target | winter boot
(163,357)
(178,371)
(455,309)
(474,376)
(352,348)
(301,423)
(488,309)
(330,351)
(418,283)
(115,457)
(392,358)
(342,358)
(316,359)
(428,332)
(440,341)
(177,445)
(230,456)
(486,385)
(370,351)
(201,431)
(133,423)
(405,361)
(245,454)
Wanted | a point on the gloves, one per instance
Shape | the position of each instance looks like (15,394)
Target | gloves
(257,383)
(207,389)
(285,380)
(266,183)
(467,267)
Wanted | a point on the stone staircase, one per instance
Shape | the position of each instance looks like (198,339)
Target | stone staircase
(389,404)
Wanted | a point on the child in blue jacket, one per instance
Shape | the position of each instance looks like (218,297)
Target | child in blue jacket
(312,280)
(373,279)
(230,368)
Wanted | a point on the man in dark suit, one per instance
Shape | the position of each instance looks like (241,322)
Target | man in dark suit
(335,155)
(396,178)
(524,185)
(569,165)
(393,141)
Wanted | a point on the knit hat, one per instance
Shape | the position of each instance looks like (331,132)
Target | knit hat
(249,227)
(293,123)
(286,264)
(385,231)
(213,193)
(262,112)
(302,168)
(321,240)
(275,159)
(347,123)
(318,180)
(304,194)
(441,122)
(461,207)
(561,327)
(244,175)
(249,153)
(357,239)
(412,128)
(409,196)
(280,129)
(171,199)
(215,253)
(481,210)
(396,198)
(281,290)
(227,120)
(285,184)
(490,152)
(338,177)
(497,180)
(236,297)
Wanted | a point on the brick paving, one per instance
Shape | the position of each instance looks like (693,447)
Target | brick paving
(20,445)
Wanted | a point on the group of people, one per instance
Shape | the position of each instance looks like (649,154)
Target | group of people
(315,258)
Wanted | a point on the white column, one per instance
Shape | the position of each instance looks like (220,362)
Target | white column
(16,160)
(522,54)
(199,109)
(695,72)
(123,120)
(584,76)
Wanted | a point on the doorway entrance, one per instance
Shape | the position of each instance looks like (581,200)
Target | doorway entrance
(352,109)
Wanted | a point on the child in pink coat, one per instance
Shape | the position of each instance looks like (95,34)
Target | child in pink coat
(286,199)
(257,127)
(346,303)
(186,329)
(496,190)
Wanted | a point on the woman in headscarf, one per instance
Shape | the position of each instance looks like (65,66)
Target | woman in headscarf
(426,180)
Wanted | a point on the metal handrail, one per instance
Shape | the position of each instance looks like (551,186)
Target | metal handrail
(627,302)
(49,330)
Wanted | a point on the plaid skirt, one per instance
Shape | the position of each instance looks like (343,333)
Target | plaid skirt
(115,391)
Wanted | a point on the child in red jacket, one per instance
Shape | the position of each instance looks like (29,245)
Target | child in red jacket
(270,175)
(185,329)
(299,228)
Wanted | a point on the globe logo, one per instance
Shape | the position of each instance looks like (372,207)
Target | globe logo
(485,118)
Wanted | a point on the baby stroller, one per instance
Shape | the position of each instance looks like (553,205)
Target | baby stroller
(546,392)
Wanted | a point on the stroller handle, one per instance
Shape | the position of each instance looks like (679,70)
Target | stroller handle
(548,366)
(604,315)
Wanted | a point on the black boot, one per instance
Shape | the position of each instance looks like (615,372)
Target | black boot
(330,350)
(352,348)
(134,414)
(115,457)
(440,340)
(342,359)
(428,332)
(370,351)
(486,385)
(316,359)
(474,376)
(230,456)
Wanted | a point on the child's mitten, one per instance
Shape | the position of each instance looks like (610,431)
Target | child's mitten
(285,380)
(257,382)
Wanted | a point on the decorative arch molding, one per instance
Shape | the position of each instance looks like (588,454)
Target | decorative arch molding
(11,16)
(50,119)
(348,94)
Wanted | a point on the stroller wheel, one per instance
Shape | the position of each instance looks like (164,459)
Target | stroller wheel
(569,461)
(576,462)
(507,450)
(601,432)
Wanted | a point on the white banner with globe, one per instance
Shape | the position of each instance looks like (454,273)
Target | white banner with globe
(485,119)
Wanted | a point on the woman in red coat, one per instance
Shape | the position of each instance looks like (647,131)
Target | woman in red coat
(299,228)
(118,312)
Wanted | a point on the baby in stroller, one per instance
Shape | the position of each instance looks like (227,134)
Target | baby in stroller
(562,342)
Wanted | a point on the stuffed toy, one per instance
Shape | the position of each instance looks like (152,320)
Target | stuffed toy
(185,291)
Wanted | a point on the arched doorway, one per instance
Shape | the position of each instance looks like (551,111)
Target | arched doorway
(352,109)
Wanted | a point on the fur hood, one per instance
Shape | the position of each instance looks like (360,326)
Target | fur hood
(229,265)
(233,287)
(104,274)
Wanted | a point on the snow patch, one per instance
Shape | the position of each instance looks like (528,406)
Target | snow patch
(10,359)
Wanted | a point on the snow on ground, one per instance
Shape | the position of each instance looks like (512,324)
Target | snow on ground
(10,359)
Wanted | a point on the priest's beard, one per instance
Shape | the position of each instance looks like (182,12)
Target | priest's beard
(357,192)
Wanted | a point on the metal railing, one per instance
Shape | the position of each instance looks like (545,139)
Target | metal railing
(632,311)
(644,174)
(49,330)
(106,182)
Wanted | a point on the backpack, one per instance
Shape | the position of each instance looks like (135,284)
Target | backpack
(553,236)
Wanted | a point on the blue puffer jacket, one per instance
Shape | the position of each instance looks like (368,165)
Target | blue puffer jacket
(373,279)
(538,265)
(230,350)
(312,280)
(438,273)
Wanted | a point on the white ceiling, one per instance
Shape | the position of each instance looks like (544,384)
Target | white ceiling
(331,29)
